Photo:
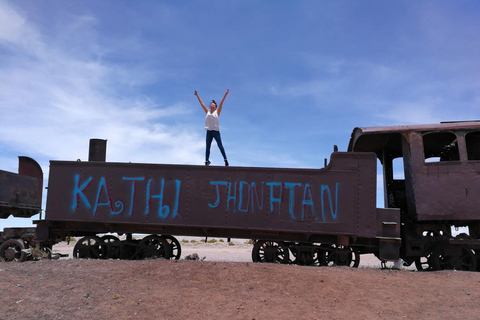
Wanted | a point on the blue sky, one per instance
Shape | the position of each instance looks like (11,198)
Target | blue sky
(301,74)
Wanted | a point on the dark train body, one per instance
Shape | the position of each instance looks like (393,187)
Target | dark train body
(322,216)
(440,189)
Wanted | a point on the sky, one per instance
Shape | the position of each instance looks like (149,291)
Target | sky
(301,74)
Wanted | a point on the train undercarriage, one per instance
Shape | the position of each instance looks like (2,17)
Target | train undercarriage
(432,246)
(429,248)
(21,246)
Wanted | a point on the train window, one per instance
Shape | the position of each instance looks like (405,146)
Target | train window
(380,182)
(440,146)
(398,173)
(472,140)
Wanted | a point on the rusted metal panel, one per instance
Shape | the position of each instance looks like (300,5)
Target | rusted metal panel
(447,189)
(29,167)
(21,194)
(447,192)
(388,223)
(339,199)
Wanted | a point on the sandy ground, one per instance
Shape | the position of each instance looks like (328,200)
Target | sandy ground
(226,285)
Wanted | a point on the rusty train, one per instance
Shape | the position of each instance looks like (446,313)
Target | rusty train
(324,217)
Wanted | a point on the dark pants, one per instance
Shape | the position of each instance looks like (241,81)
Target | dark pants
(212,134)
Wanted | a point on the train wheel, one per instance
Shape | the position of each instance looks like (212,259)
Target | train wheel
(323,255)
(175,246)
(338,256)
(477,255)
(112,246)
(11,250)
(154,246)
(304,255)
(89,247)
(308,259)
(424,263)
(271,252)
(466,261)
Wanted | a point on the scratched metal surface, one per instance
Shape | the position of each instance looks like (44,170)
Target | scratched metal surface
(339,199)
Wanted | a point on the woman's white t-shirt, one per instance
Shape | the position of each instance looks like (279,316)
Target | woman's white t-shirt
(211,121)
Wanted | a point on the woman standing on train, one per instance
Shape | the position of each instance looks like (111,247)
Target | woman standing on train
(213,127)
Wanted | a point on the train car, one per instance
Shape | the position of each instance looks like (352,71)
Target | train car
(322,216)
(20,196)
(439,189)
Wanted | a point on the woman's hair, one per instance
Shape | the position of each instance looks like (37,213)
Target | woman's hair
(213,101)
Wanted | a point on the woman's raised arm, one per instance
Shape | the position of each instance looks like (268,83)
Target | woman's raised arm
(201,103)
(221,102)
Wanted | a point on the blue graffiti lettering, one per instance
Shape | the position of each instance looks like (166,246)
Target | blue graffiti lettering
(163,209)
(134,180)
(237,197)
(178,183)
(291,198)
(103,197)
(102,185)
(240,207)
(307,202)
(147,197)
(329,194)
(249,198)
(254,192)
(217,183)
(232,196)
(78,191)
(274,199)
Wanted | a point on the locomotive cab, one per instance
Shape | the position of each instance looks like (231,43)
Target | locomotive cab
(437,190)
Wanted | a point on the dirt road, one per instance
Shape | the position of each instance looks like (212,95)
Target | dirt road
(165,289)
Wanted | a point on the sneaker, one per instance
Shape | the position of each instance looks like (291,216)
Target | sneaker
(226,163)
(207,163)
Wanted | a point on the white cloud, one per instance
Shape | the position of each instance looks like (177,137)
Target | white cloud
(411,113)
(12,25)
(53,99)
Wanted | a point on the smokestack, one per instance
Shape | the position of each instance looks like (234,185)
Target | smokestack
(97,150)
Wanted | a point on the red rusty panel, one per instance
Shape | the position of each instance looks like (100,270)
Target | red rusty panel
(29,167)
(21,194)
(339,199)
(447,191)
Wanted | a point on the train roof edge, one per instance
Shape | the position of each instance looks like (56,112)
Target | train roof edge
(442,126)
